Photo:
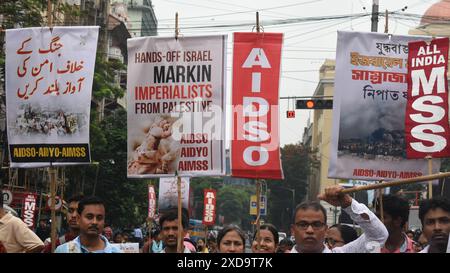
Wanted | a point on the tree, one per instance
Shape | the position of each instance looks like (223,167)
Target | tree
(233,204)
(297,161)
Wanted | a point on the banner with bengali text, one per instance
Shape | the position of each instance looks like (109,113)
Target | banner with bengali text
(370,95)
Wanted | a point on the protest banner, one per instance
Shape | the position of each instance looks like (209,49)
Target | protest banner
(427,130)
(255,148)
(209,210)
(49,76)
(176,95)
(168,193)
(369,105)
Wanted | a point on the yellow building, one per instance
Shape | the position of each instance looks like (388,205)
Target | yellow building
(435,22)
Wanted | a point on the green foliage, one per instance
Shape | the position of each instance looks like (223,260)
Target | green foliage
(234,204)
(25,13)
(297,162)
(104,85)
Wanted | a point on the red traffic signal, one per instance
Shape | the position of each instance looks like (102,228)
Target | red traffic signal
(290,114)
(314,104)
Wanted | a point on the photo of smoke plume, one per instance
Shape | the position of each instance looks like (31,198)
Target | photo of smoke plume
(372,130)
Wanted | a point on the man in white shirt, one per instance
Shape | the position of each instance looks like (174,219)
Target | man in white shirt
(435,217)
(309,225)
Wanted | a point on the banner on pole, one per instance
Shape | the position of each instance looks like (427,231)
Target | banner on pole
(176,96)
(151,202)
(49,76)
(255,147)
(427,131)
(370,96)
(168,193)
(209,211)
(29,208)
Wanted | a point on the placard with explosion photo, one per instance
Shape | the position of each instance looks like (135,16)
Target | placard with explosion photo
(176,95)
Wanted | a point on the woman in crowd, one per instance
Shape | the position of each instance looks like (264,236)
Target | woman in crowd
(268,239)
(231,239)
(339,235)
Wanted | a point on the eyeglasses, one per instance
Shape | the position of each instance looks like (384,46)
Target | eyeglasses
(332,242)
(315,225)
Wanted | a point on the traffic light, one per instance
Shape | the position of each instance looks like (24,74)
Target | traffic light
(314,104)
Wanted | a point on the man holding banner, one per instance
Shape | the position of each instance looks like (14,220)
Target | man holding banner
(310,226)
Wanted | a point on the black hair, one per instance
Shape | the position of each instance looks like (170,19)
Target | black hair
(115,235)
(227,229)
(431,204)
(287,242)
(348,233)
(90,200)
(75,198)
(154,233)
(1,198)
(270,228)
(396,207)
(315,205)
(172,215)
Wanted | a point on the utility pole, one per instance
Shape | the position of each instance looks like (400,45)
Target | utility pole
(375,6)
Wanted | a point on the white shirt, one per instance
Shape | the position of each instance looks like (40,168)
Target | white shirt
(374,236)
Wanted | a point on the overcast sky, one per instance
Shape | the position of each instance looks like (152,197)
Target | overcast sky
(306,43)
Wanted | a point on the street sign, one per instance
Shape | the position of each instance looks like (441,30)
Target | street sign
(262,206)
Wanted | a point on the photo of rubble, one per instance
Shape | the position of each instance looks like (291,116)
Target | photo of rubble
(158,152)
(32,121)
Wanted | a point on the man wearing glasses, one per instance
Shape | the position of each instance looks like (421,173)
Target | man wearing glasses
(309,225)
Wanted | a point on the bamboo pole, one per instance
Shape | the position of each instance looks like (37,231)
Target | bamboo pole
(52,174)
(258,212)
(386,25)
(49,14)
(177,30)
(430,171)
(180,223)
(397,183)
(381,204)
(258,182)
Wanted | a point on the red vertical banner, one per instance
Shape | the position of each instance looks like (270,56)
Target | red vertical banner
(209,211)
(255,148)
(151,202)
(427,130)
(29,209)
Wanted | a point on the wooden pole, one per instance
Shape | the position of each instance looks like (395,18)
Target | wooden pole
(258,212)
(49,14)
(386,25)
(397,183)
(257,22)
(177,30)
(381,204)
(52,174)
(180,215)
(430,172)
